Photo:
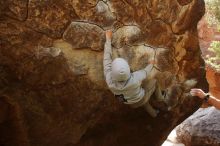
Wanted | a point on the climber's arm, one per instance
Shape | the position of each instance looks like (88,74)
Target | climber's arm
(148,68)
(142,74)
(107,60)
(214,101)
(201,94)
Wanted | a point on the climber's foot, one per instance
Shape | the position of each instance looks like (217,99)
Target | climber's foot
(150,110)
(154,113)
(162,96)
(169,108)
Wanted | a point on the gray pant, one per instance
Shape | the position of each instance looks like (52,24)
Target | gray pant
(149,90)
(150,87)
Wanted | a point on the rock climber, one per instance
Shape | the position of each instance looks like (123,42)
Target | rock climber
(126,86)
(206,97)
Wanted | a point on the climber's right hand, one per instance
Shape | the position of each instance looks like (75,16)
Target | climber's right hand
(108,34)
(153,62)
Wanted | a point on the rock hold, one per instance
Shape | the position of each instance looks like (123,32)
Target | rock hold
(85,35)
(127,35)
(165,63)
(94,11)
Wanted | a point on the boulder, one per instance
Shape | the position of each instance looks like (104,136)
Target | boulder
(52,87)
(201,128)
(84,35)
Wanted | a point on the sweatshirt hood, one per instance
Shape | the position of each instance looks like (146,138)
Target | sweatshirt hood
(120,70)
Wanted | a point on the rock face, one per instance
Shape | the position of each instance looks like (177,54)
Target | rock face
(52,89)
(208,34)
(202,128)
(213,78)
(84,35)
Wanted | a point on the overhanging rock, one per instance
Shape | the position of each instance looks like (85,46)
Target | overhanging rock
(52,89)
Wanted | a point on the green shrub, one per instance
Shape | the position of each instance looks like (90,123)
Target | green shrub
(215,47)
(214,7)
(213,13)
(215,60)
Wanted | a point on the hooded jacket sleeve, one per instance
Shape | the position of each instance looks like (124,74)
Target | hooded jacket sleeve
(142,74)
(107,61)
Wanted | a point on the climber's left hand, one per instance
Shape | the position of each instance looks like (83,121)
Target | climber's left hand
(198,92)
(108,34)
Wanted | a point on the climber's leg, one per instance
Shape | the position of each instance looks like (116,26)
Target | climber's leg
(150,110)
(140,103)
(158,93)
(149,87)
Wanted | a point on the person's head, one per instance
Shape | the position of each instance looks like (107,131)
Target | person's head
(120,70)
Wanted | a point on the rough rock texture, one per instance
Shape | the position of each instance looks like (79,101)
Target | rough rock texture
(201,129)
(52,89)
(208,34)
(213,78)
(84,35)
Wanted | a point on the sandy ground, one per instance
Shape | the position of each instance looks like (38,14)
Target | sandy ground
(172,140)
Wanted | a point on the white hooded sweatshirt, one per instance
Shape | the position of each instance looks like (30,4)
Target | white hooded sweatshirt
(120,80)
